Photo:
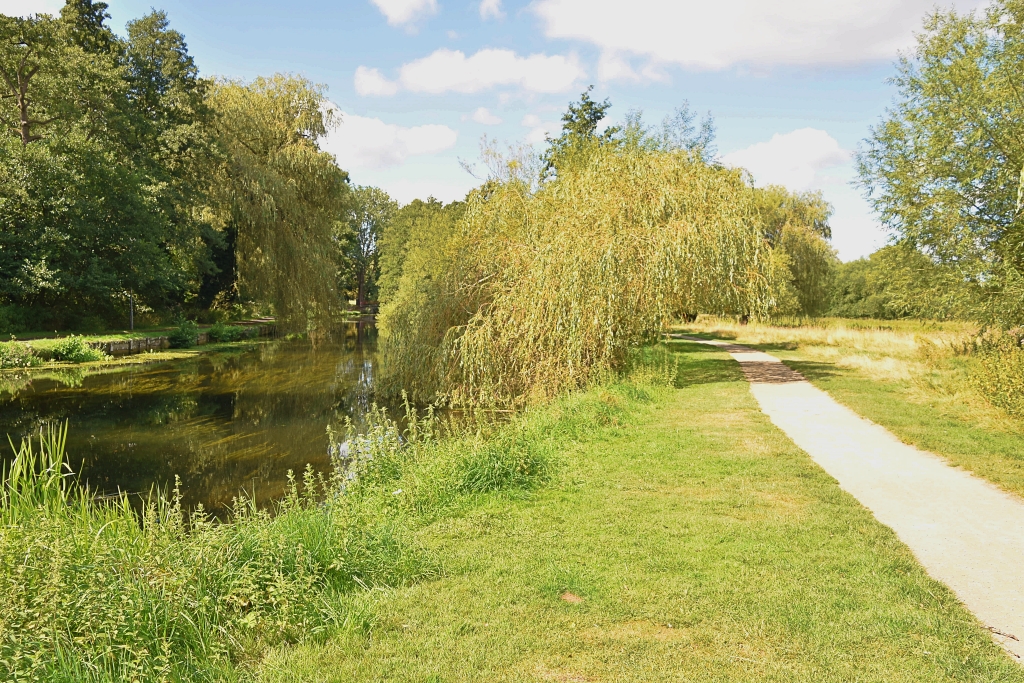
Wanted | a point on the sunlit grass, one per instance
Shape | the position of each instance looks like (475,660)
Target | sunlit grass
(692,541)
(912,377)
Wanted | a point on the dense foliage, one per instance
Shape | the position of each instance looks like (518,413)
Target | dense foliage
(943,168)
(531,288)
(104,152)
(123,173)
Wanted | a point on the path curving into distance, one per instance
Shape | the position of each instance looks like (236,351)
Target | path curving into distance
(965,532)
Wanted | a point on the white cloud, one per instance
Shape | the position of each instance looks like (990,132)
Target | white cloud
(715,35)
(491,9)
(452,71)
(539,130)
(23,8)
(614,66)
(810,159)
(372,82)
(793,160)
(400,12)
(483,115)
(361,142)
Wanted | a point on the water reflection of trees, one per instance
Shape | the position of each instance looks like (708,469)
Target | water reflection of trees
(222,422)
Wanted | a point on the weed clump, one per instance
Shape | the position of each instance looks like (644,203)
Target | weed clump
(16,355)
(74,349)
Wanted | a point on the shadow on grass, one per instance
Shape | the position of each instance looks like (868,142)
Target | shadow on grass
(702,365)
(813,370)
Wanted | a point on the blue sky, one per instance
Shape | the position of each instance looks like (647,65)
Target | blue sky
(793,85)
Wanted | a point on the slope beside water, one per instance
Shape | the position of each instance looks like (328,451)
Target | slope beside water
(695,542)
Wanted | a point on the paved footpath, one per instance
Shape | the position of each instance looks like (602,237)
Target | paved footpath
(965,532)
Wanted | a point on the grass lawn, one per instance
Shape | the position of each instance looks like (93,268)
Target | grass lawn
(693,542)
(883,375)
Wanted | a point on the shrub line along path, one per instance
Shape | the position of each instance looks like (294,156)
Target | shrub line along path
(965,532)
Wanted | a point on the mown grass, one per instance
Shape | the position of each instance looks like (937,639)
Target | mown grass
(905,376)
(685,538)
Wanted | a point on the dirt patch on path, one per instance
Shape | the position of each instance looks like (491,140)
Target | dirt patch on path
(965,532)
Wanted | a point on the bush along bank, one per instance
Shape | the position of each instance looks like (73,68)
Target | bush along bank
(98,592)
(16,354)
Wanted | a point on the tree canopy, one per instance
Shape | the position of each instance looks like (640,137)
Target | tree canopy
(124,172)
(943,168)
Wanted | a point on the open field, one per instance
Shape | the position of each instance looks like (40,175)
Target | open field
(903,376)
(692,541)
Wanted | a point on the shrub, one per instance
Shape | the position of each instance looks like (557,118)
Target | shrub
(14,354)
(999,369)
(74,349)
(221,332)
(185,336)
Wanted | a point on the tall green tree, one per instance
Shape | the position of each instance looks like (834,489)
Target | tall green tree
(81,216)
(280,195)
(579,133)
(370,213)
(413,227)
(796,225)
(943,167)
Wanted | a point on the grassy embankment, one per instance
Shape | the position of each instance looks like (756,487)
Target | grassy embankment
(61,352)
(690,541)
(912,377)
(634,532)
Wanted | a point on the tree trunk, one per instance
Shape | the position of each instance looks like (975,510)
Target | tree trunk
(361,289)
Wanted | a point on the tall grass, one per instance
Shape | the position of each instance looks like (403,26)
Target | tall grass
(94,589)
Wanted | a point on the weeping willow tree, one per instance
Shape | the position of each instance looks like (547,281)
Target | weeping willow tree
(796,225)
(528,293)
(280,195)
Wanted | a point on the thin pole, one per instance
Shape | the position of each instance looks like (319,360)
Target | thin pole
(131,311)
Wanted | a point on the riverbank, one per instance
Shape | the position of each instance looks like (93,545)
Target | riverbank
(642,530)
(686,539)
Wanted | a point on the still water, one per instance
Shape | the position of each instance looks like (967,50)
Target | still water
(223,422)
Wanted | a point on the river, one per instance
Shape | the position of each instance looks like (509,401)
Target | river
(223,422)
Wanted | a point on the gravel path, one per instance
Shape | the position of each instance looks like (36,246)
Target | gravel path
(965,532)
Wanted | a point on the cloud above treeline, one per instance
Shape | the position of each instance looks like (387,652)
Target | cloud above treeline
(361,142)
(702,35)
(23,8)
(447,70)
(794,160)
